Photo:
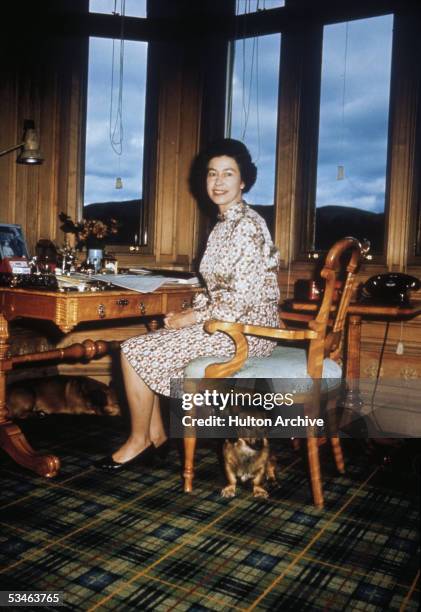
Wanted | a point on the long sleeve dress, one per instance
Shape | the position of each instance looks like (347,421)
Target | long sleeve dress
(239,268)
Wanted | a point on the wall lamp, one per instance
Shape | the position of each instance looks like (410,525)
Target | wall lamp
(30,152)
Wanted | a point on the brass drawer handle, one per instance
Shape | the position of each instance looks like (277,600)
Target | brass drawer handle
(101,311)
(142,308)
(186,304)
(122,302)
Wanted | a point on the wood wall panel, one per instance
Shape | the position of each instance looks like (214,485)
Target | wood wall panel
(8,135)
(185,240)
(42,79)
(405,105)
(170,60)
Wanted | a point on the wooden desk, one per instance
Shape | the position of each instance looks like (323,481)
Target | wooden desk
(66,311)
(356,313)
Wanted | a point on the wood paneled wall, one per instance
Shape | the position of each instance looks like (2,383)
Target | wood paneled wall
(189,80)
(42,78)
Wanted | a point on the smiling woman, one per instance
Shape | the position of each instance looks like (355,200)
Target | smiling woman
(239,268)
(223,182)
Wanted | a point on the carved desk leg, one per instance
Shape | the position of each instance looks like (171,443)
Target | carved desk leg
(353,399)
(12,440)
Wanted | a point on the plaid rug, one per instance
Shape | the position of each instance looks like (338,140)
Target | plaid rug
(134,541)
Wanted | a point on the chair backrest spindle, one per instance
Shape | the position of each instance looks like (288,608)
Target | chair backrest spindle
(330,325)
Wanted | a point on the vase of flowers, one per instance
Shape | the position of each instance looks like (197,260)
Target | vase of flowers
(91,234)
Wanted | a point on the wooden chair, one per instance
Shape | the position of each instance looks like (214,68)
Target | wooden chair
(321,339)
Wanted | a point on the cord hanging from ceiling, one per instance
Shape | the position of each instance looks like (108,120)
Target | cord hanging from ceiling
(116,110)
(252,76)
(340,173)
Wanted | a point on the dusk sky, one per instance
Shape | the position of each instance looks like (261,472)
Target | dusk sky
(353,135)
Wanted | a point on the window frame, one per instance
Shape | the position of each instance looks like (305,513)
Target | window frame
(139,29)
(297,138)
(298,124)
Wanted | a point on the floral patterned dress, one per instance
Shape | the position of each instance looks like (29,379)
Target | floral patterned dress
(239,268)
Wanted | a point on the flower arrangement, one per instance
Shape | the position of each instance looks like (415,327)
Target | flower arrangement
(91,233)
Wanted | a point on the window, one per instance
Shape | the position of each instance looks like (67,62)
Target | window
(253,117)
(252,6)
(132,8)
(354,115)
(115,127)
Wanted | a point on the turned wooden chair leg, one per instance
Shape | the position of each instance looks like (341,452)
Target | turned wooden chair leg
(314,467)
(338,455)
(188,474)
(334,438)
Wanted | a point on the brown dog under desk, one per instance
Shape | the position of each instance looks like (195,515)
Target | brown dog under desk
(61,395)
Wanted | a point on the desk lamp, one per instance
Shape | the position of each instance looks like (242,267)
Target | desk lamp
(30,153)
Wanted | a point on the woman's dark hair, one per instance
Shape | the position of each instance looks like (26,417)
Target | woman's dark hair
(231,148)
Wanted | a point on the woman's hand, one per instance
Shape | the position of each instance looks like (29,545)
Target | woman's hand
(178,320)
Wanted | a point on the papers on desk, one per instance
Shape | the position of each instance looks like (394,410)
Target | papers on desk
(171,280)
(144,284)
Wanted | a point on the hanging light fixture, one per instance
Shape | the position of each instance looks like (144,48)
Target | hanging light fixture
(30,153)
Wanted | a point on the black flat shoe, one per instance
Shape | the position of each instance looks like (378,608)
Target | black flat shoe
(161,451)
(109,465)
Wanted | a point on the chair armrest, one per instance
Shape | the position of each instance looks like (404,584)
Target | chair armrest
(295,316)
(237,332)
(257,330)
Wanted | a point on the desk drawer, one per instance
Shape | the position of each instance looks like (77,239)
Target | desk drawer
(179,301)
(101,307)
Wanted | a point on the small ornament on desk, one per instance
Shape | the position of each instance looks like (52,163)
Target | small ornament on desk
(87,267)
(67,258)
(46,252)
(110,263)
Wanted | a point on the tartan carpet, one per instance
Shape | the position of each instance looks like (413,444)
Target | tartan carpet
(134,541)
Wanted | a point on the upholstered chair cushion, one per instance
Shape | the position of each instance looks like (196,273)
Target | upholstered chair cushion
(284,362)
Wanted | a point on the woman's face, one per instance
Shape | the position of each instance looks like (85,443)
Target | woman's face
(223,182)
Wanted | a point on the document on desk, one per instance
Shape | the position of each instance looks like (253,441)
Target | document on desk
(143,284)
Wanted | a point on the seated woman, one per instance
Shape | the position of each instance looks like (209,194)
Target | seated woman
(239,268)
